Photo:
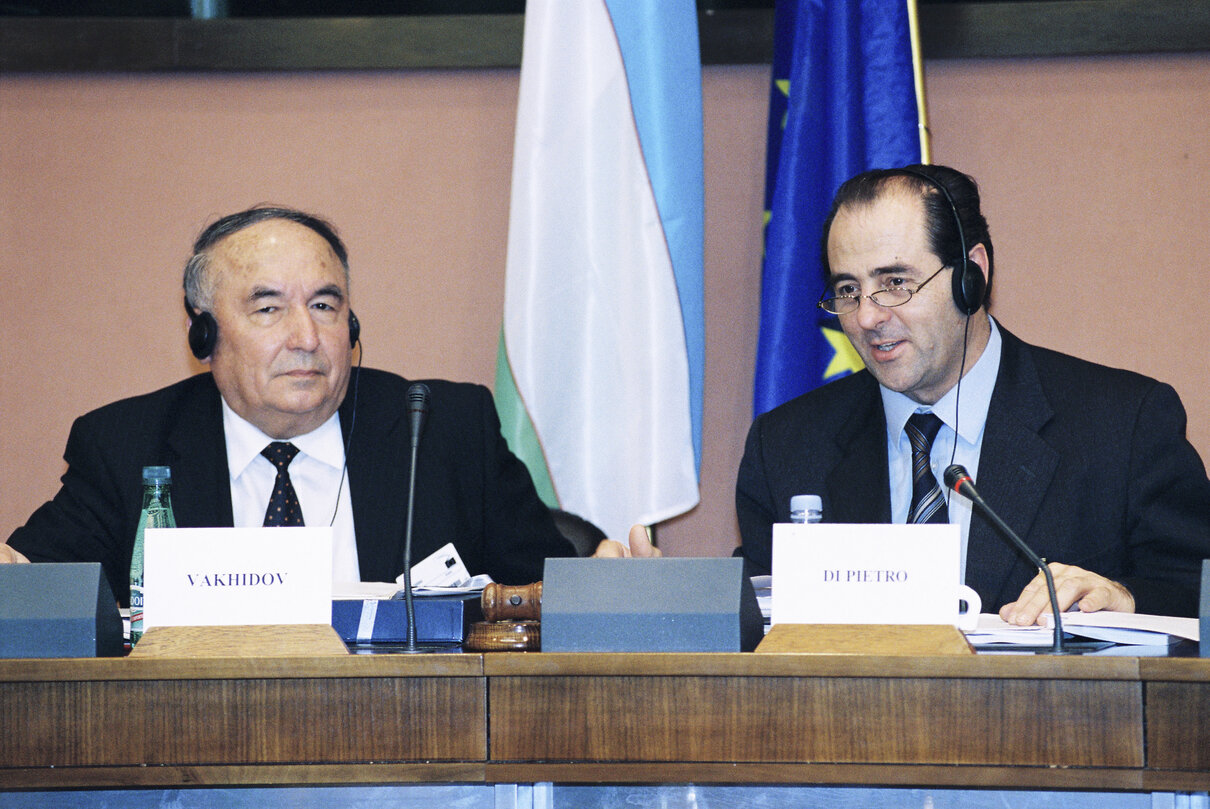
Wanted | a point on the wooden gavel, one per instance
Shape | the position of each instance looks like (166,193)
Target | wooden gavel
(512,614)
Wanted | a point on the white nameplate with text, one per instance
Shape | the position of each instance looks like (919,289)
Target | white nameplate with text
(237,576)
(837,573)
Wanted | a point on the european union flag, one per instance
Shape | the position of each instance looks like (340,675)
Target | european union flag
(843,101)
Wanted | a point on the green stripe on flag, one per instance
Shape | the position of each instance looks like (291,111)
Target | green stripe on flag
(517,428)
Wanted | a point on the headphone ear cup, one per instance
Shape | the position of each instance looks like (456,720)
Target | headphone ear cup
(354,329)
(969,288)
(203,334)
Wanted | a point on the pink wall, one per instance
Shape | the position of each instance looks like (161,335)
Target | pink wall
(1093,169)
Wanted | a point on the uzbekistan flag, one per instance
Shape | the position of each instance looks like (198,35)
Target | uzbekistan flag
(599,376)
(844,100)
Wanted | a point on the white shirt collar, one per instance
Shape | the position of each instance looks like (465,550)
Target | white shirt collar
(976,389)
(245,442)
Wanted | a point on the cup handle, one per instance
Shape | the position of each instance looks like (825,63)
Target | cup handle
(968,619)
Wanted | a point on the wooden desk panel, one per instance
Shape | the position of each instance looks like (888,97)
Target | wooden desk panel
(1050,723)
(996,721)
(187,720)
(1177,701)
(1178,726)
(246,722)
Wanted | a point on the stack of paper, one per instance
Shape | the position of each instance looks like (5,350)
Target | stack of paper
(1126,628)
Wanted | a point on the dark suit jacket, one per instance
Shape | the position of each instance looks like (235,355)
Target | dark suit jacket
(1088,464)
(470,490)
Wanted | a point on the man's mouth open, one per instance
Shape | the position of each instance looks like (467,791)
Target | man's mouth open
(887,347)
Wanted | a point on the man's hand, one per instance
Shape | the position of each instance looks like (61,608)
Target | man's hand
(640,546)
(8,555)
(1072,584)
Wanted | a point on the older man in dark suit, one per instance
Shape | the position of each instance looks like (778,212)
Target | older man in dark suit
(267,292)
(1089,464)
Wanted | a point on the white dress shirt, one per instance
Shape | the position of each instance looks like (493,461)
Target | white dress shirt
(318,476)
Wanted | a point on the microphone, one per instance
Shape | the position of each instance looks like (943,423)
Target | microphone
(958,479)
(418,411)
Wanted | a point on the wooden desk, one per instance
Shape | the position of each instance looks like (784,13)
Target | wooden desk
(330,720)
(987,721)
(1017,722)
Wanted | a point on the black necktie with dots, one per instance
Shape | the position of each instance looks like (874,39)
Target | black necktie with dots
(283,503)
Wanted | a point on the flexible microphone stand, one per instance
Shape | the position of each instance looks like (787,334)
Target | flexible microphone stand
(958,479)
(418,409)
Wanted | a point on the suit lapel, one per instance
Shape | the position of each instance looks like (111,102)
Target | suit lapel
(859,484)
(1016,468)
(201,488)
(378,462)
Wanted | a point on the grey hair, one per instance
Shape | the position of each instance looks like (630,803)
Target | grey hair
(199,282)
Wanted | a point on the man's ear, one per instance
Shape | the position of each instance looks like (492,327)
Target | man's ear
(978,255)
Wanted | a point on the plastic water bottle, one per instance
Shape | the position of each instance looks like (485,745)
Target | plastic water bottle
(806,508)
(156,513)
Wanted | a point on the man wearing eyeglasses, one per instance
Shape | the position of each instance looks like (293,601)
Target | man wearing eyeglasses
(1090,465)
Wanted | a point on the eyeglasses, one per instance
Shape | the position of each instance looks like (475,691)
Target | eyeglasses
(886,298)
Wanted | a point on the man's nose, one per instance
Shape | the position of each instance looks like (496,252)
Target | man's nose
(303,331)
(870,315)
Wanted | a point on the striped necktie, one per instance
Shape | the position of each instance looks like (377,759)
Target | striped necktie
(928,505)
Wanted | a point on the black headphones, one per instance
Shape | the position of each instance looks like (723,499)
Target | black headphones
(203,331)
(969,285)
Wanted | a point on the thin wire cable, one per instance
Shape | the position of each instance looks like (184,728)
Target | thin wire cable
(966,331)
(344,467)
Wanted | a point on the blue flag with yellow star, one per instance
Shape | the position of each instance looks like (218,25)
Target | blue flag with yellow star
(843,101)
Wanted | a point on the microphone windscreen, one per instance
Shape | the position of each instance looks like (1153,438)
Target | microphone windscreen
(418,397)
(954,475)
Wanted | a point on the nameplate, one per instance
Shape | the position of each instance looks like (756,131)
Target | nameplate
(836,573)
(237,576)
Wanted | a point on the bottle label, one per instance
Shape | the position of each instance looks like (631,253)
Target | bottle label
(136,613)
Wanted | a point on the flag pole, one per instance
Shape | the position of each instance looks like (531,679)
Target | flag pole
(922,115)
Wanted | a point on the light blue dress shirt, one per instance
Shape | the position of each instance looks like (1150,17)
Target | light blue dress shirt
(963,412)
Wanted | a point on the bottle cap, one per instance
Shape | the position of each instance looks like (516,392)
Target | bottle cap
(806,502)
(157,474)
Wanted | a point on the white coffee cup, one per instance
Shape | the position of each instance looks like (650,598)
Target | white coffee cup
(968,619)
